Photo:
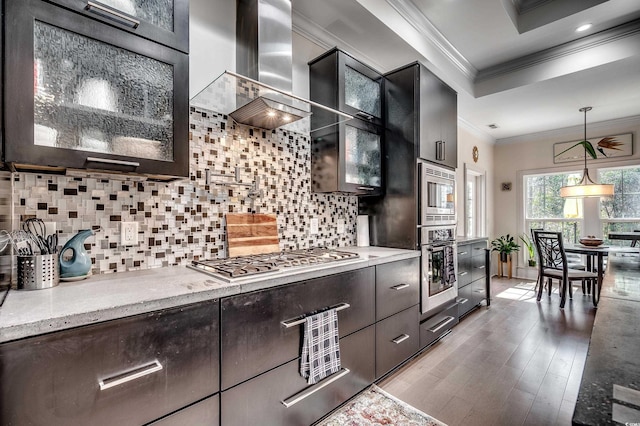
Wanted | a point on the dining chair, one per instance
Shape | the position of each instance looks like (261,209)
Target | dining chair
(552,264)
(635,242)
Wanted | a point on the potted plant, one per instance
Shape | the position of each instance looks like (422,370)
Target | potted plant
(530,249)
(505,245)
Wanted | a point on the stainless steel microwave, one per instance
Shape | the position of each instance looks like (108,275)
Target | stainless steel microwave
(437,195)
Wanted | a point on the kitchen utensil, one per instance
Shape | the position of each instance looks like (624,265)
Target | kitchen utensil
(22,243)
(79,265)
(37,230)
(251,233)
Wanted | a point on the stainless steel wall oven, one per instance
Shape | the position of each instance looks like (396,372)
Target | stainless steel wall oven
(439,266)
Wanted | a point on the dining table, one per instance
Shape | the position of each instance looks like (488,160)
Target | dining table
(591,252)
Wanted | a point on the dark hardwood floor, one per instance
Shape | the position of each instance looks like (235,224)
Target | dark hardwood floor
(517,362)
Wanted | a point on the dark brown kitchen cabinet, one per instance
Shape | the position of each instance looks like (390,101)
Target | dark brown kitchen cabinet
(129,371)
(83,94)
(255,335)
(472,270)
(436,326)
(397,339)
(205,412)
(163,21)
(340,81)
(347,157)
(397,287)
(423,111)
(282,397)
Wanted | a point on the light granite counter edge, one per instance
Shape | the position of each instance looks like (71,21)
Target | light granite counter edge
(108,297)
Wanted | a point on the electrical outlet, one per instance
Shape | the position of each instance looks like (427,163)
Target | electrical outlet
(129,233)
(313,226)
(340,224)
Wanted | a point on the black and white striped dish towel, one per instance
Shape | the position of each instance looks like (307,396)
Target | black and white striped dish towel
(450,268)
(320,346)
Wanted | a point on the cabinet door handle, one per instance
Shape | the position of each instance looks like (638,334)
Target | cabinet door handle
(401,338)
(109,161)
(400,286)
(365,115)
(315,388)
(301,319)
(481,267)
(440,150)
(462,301)
(462,253)
(113,14)
(442,324)
(366,188)
(462,274)
(120,379)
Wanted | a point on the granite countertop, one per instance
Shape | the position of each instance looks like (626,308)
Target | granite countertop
(610,388)
(110,296)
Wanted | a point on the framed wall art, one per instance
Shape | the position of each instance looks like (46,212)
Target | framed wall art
(605,147)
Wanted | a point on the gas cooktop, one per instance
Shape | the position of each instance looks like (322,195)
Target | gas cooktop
(239,267)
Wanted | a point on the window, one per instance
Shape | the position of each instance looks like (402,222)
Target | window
(622,212)
(474,202)
(544,208)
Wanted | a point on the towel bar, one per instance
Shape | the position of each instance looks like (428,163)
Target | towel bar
(301,319)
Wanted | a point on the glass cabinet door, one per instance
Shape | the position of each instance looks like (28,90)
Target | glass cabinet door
(361,89)
(362,157)
(164,21)
(98,95)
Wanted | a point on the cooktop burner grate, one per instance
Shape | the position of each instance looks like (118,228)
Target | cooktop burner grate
(238,267)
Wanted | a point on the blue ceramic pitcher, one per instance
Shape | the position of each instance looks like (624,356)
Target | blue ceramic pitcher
(79,265)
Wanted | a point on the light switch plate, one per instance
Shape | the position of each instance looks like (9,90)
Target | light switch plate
(340,225)
(129,233)
(313,226)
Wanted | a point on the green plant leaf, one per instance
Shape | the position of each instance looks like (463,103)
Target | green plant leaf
(587,146)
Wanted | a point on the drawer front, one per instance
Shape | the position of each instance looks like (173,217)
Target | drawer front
(397,287)
(479,291)
(55,378)
(439,324)
(260,400)
(465,300)
(205,412)
(397,338)
(253,338)
(478,267)
(464,251)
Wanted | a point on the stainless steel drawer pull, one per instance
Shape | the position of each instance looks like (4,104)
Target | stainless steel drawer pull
(481,267)
(301,319)
(120,379)
(315,388)
(109,161)
(462,274)
(462,301)
(462,253)
(400,339)
(366,188)
(112,14)
(400,286)
(365,115)
(442,324)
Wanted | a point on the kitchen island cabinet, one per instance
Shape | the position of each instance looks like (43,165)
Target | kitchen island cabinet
(129,371)
(472,271)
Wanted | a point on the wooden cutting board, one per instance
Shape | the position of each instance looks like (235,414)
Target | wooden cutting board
(251,233)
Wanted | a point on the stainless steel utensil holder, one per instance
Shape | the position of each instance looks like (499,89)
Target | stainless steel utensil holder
(38,272)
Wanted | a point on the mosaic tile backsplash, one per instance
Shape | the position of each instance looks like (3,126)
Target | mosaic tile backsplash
(183,220)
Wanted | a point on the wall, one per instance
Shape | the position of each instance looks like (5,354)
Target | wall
(184,220)
(535,152)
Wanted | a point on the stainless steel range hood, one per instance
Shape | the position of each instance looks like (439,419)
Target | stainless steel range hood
(259,93)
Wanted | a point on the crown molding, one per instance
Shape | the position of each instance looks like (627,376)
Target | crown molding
(313,32)
(476,131)
(410,13)
(569,133)
(612,35)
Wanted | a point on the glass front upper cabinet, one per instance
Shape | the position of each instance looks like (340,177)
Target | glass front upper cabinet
(99,98)
(342,82)
(362,158)
(163,21)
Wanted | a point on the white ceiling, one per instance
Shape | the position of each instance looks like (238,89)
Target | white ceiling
(525,82)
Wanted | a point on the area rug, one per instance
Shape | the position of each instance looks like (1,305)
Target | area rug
(376,407)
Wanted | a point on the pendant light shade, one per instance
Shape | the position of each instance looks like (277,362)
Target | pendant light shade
(586,187)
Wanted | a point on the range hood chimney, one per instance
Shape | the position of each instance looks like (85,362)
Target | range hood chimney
(258,94)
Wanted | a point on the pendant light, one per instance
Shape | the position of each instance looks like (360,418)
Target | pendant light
(586,187)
